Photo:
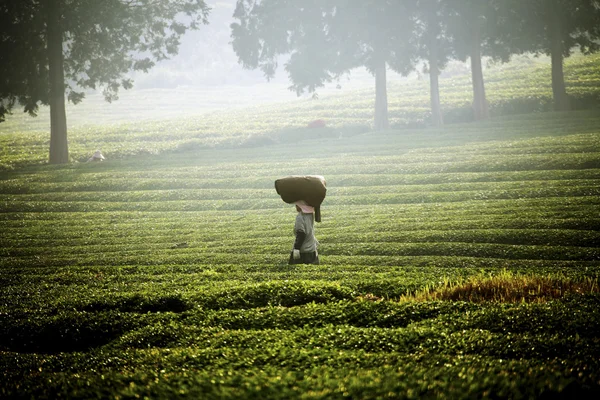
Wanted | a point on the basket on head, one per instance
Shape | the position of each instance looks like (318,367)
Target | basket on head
(310,188)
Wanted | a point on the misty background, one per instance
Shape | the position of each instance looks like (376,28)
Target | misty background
(205,76)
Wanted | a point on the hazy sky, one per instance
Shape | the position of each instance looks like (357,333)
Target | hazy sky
(206,58)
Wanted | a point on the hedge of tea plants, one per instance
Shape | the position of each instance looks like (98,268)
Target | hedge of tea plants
(167,276)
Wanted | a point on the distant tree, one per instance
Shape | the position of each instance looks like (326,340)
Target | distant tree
(325,39)
(551,27)
(434,47)
(53,48)
(468,29)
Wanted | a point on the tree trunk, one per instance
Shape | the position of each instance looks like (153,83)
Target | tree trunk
(480,106)
(381,105)
(434,86)
(559,91)
(59,150)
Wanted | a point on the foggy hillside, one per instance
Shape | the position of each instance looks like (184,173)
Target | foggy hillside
(205,76)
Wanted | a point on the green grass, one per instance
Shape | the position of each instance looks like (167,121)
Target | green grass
(165,275)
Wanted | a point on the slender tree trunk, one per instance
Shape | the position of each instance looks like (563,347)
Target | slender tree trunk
(381,105)
(59,150)
(559,91)
(434,86)
(480,106)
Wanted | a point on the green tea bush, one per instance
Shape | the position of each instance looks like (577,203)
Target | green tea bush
(63,331)
(166,275)
(284,293)
(141,304)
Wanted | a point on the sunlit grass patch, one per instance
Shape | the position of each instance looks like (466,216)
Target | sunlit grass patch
(507,287)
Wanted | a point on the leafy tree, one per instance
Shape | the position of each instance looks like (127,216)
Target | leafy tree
(469,24)
(50,49)
(325,39)
(434,47)
(551,27)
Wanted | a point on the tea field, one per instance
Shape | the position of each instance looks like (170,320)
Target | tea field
(459,262)
(158,121)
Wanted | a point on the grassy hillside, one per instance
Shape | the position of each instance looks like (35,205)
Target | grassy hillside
(459,262)
(143,122)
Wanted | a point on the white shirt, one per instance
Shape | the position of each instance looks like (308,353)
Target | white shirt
(306,224)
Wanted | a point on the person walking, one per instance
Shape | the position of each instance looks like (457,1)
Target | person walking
(305,245)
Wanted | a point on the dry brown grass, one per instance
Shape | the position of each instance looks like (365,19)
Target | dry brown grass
(506,287)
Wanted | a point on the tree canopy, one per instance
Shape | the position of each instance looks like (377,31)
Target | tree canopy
(551,27)
(50,49)
(324,39)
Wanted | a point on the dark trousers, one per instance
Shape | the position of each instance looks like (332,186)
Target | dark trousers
(305,258)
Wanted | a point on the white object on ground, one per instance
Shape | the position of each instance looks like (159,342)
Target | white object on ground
(97,156)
